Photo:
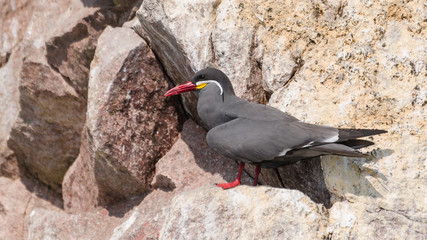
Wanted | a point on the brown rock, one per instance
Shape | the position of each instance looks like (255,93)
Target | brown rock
(188,165)
(45,135)
(8,163)
(72,52)
(79,188)
(17,199)
(192,163)
(129,126)
(53,91)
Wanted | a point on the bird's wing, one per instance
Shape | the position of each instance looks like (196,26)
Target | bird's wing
(257,140)
(240,108)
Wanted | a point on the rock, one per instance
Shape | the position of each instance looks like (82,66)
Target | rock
(305,176)
(357,77)
(190,163)
(50,224)
(8,163)
(330,62)
(227,31)
(53,89)
(9,62)
(244,213)
(353,221)
(165,26)
(129,126)
(80,190)
(325,62)
(49,124)
(17,202)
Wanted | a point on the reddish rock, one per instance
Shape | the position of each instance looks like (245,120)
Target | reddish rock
(191,163)
(130,125)
(8,163)
(17,202)
(53,91)
(136,127)
(45,135)
(79,188)
(188,165)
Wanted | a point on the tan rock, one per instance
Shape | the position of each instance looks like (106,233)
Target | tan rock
(244,213)
(51,224)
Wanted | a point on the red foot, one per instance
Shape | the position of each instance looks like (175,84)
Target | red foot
(229,185)
(236,182)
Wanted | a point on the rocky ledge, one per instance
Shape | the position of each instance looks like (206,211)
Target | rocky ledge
(90,149)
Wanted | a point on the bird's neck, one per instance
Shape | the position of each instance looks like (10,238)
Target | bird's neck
(210,108)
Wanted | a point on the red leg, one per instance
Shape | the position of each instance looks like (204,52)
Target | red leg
(257,171)
(236,182)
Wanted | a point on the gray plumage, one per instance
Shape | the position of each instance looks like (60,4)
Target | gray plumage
(255,133)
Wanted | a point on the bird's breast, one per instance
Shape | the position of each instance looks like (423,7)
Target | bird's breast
(211,112)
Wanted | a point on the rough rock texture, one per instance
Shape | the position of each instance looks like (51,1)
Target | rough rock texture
(231,35)
(244,213)
(53,90)
(339,63)
(16,204)
(191,163)
(188,165)
(50,224)
(129,126)
(220,37)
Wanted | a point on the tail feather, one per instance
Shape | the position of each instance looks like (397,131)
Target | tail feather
(357,143)
(347,134)
(338,149)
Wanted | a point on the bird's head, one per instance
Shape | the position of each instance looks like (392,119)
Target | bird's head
(202,79)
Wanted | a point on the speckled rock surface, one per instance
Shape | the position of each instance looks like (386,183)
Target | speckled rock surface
(244,213)
(129,127)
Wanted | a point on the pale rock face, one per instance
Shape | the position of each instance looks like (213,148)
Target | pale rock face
(368,78)
(244,213)
(222,36)
(339,63)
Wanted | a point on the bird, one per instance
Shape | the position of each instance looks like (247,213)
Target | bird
(262,135)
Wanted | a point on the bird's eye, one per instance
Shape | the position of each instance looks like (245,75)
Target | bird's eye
(203,77)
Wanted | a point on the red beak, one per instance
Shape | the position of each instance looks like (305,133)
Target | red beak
(186,87)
